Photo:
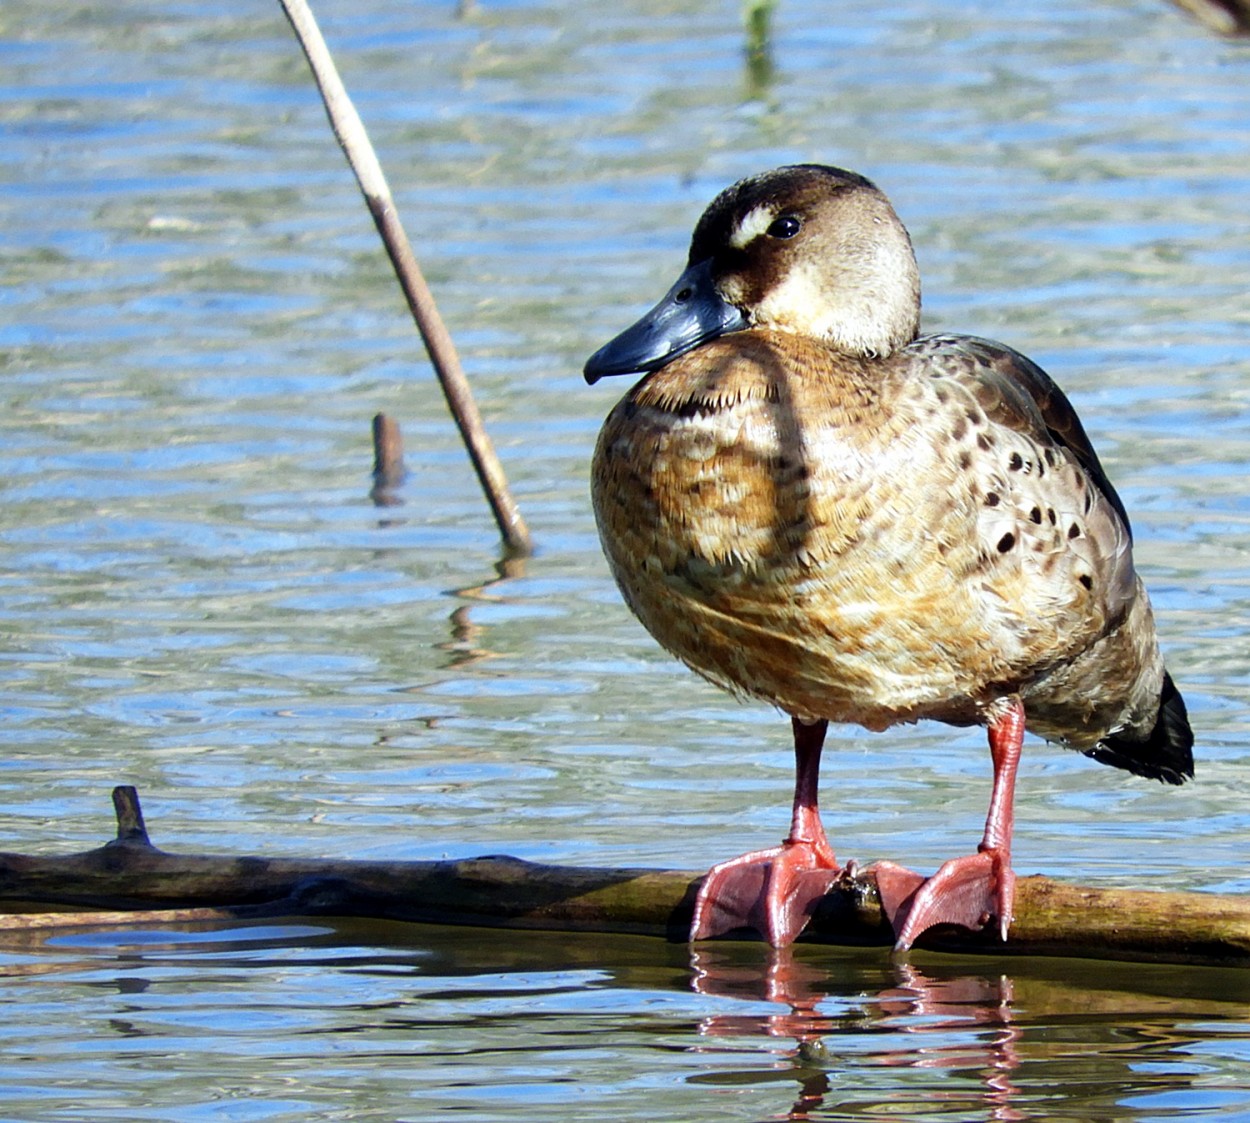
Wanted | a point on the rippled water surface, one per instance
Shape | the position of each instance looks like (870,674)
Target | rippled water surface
(198,597)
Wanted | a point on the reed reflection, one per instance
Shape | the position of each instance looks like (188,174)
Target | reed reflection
(467,645)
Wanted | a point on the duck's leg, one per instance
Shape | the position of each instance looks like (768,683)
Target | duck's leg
(774,891)
(970,891)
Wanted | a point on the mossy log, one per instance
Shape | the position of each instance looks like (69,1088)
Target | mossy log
(138,882)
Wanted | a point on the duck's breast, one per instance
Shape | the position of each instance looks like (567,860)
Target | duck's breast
(777,522)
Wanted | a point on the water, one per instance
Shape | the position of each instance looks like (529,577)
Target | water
(361,1021)
(197,596)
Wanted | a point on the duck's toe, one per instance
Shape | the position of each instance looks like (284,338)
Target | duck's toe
(772,891)
(896,885)
(968,891)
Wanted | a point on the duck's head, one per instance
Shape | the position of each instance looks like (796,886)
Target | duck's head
(808,249)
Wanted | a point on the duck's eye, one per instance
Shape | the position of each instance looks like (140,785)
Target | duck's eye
(784,227)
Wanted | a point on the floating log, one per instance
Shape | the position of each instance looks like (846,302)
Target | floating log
(129,873)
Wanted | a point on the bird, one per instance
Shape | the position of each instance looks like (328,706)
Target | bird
(813,505)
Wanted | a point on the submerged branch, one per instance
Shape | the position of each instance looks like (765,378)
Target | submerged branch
(389,472)
(1052,918)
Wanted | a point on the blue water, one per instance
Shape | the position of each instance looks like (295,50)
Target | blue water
(198,597)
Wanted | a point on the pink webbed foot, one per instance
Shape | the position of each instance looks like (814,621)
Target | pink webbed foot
(775,891)
(967,891)
(772,891)
(896,885)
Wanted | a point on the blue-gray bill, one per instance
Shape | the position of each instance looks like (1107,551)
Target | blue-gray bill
(691,313)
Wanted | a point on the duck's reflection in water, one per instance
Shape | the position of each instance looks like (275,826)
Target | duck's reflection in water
(962,1023)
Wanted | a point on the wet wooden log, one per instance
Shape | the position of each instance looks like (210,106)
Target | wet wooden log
(129,873)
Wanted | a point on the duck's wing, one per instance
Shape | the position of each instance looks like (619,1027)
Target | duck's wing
(1154,739)
(1016,393)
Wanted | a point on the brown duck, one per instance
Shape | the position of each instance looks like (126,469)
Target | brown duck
(808,503)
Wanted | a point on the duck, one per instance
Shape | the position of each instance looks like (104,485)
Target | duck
(813,505)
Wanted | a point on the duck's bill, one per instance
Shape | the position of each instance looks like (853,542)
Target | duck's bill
(692,312)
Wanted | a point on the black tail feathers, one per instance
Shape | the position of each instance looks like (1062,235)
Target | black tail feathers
(1166,753)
